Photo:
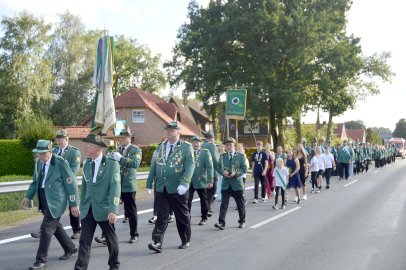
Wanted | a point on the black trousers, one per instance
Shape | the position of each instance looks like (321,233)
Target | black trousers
(50,226)
(204,206)
(74,222)
(257,179)
(344,170)
(178,203)
(327,174)
(85,243)
(130,209)
(225,199)
(277,194)
(211,192)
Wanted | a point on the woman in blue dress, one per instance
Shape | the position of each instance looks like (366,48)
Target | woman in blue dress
(292,163)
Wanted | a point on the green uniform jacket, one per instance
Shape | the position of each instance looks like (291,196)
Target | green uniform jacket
(72,155)
(60,186)
(204,171)
(174,171)
(104,195)
(344,155)
(214,152)
(129,163)
(237,165)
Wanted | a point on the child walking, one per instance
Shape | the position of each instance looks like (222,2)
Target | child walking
(281,176)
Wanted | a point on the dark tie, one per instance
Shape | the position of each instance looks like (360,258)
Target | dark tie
(41,176)
(170,150)
(60,152)
(93,167)
(230,156)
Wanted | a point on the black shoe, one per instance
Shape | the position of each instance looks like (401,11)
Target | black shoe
(37,266)
(125,220)
(152,220)
(203,222)
(327,186)
(242,225)
(185,246)
(101,240)
(75,235)
(36,235)
(157,247)
(133,239)
(298,201)
(210,213)
(171,219)
(220,226)
(68,254)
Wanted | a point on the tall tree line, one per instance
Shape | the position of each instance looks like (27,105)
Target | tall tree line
(46,70)
(292,55)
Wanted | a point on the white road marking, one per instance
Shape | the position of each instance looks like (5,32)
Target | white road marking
(274,218)
(375,172)
(350,183)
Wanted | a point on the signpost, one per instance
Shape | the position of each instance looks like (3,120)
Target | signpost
(235,107)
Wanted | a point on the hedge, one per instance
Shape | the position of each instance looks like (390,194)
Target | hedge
(15,158)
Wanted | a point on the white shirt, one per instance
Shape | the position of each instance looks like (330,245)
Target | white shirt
(168,148)
(46,171)
(314,164)
(60,150)
(283,173)
(97,162)
(329,160)
(321,161)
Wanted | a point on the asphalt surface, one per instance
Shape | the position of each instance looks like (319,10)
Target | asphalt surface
(356,224)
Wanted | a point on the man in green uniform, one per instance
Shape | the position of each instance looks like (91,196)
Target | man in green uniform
(232,166)
(202,178)
(129,156)
(306,147)
(214,152)
(343,158)
(99,201)
(172,171)
(55,185)
(72,155)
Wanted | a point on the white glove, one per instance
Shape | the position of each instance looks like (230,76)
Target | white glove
(149,191)
(117,156)
(181,190)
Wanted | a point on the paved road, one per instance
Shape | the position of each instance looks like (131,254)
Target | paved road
(357,224)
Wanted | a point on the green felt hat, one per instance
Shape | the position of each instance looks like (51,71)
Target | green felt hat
(61,133)
(43,146)
(172,125)
(196,138)
(94,139)
(229,140)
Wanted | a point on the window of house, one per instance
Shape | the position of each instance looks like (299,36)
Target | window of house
(254,126)
(117,115)
(138,116)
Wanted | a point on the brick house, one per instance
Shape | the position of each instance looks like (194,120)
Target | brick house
(147,114)
(356,135)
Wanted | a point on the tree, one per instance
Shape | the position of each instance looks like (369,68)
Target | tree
(73,52)
(400,130)
(134,65)
(25,74)
(359,124)
(384,133)
(373,137)
(267,45)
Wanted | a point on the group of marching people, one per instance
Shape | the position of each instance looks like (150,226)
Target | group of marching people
(281,171)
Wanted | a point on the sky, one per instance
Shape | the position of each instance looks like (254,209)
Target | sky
(155,23)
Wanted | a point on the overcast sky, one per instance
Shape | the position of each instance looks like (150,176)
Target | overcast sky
(156,22)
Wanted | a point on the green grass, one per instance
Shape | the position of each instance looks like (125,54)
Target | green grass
(144,169)
(12,178)
(16,217)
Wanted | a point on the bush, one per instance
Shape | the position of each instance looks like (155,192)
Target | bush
(147,151)
(11,201)
(33,128)
(15,158)
(12,178)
